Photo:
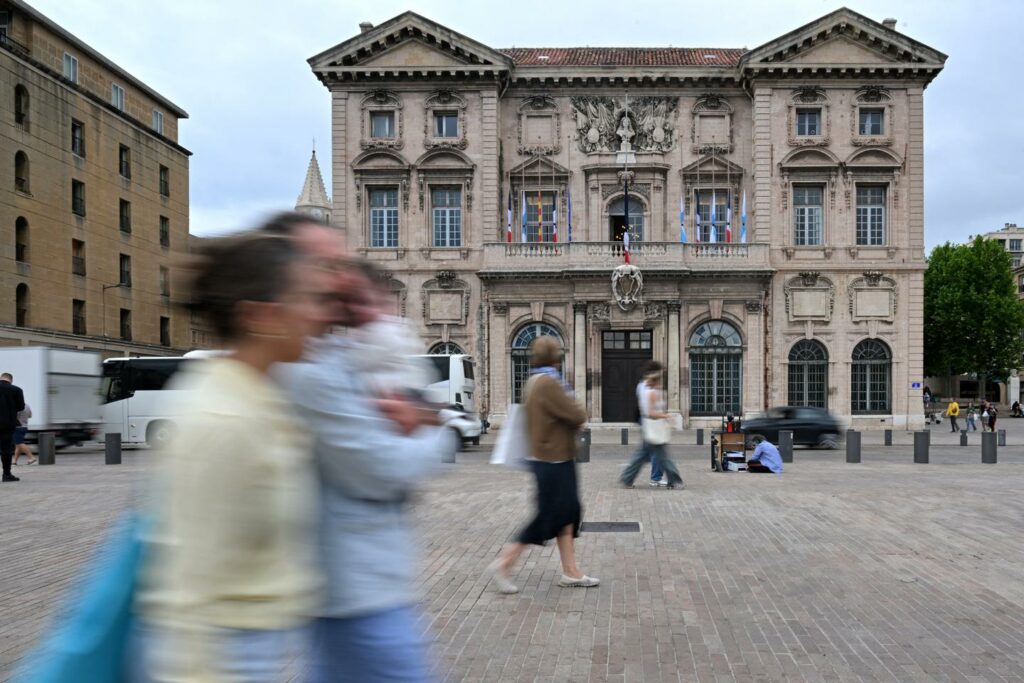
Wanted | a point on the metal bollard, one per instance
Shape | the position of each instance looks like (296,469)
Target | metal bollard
(1002,437)
(786,445)
(888,437)
(47,448)
(700,437)
(625,436)
(988,448)
(852,446)
(963,438)
(921,444)
(112,448)
(583,452)
(449,455)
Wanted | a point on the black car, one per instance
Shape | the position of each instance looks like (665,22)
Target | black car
(810,426)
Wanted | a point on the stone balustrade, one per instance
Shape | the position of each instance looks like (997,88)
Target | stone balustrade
(503,256)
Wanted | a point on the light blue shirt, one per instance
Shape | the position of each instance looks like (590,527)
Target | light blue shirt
(768,455)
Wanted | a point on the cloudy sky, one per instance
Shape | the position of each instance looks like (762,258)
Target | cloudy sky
(239,68)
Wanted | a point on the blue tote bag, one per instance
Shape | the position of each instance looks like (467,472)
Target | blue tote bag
(90,642)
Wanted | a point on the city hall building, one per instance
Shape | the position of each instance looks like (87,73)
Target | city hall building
(769,203)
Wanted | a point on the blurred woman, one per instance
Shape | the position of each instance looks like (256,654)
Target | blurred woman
(230,575)
(552,417)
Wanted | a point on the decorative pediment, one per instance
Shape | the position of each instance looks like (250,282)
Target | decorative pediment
(874,158)
(441,159)
(380,159)
(543,167)
(809,159)
(712,165)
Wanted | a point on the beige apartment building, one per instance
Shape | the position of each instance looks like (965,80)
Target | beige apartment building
(772,198)
(93,196)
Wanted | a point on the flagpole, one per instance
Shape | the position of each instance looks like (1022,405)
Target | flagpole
(568,185)
(554,201)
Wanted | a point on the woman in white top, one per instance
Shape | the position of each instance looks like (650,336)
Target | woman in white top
(656,432)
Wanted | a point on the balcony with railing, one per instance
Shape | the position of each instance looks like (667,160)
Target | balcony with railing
(9,43)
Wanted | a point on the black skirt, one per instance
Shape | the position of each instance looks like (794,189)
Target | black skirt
(558,502)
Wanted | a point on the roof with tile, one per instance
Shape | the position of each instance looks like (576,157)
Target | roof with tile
(624,56)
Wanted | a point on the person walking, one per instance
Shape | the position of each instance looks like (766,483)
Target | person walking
(953,411)
(20,432)
(12,402)
(655,420)
(992,413)
(553,417)
(230,575)
(643,453)
(972,417)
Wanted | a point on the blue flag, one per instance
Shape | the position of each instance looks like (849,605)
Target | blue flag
(682,221)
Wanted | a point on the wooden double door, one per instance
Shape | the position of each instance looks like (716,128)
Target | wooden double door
(624,353)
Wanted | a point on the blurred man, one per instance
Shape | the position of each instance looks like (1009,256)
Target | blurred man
(12,402)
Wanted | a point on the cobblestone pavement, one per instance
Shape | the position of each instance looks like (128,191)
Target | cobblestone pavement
(882,571)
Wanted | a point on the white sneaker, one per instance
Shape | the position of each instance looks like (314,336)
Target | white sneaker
(503,583)
(582,582)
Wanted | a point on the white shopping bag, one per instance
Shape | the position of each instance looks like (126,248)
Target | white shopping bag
(513,445)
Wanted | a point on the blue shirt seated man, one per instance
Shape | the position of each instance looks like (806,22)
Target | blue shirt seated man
(766,458)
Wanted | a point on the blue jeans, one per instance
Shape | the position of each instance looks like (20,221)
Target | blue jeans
(658,454)
(380,647)
(645,452)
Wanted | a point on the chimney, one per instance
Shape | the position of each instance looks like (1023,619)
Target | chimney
(368,25)
(889,23)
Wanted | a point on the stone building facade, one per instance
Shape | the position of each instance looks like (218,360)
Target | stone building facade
(93,196)
(493,185)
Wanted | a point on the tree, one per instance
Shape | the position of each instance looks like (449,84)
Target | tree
(973,318)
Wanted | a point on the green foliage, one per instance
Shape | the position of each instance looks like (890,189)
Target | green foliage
(972,316)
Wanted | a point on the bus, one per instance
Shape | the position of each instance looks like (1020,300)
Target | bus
(135,399)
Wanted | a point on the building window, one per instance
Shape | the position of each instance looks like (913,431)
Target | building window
(871,122)
(446,349)
(117,96)
(165,281)
(871,373)
(712,227)
(1015,245)
(1020,289)
(446,124)
(78,316)
(78,257)
(77,138)
(871,215)
(78,197)
(165,331)
(125,212)
(126,324)
(808,374)
(617,218)
(21,172)
(447,216)
(382,124)
(21,105)
(124,161)
(521,354)
(540,216)
(384,218)
(70,68)
(158,122)
(165,231)
(716,360)
(807,210)
(808,122)
(21,305)
(21,240)
(125,271)
(165,181)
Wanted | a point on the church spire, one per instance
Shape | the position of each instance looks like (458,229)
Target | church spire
(313,199)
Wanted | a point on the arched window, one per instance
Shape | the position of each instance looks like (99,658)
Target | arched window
(446,349)
(21,305)
(716,361)
(521,354)
(808,374)
(21,172)
(21,240)
(21,105)
(871,378)
(617,218)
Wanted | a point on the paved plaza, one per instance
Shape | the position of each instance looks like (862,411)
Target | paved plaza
(882,571)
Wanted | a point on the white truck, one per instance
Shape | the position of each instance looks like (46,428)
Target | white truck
(63,389)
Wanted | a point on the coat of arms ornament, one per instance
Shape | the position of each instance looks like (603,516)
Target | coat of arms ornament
(627,285)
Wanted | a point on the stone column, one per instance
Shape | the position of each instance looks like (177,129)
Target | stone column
(339,159)
(579,350)
(498,374)
(674,356)
(754,360)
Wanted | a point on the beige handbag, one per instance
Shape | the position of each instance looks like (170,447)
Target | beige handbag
(656,432)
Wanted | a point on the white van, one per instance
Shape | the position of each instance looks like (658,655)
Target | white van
(456,387)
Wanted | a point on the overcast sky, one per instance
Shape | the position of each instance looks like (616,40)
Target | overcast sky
(239,68)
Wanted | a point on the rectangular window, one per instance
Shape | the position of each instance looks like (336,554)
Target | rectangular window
(78,316)
(77,138)
(721,201)
(165,281)
(1020,289)
(871,215)
(165,331)
(70,68)
(125,271)
(808,122)
(126,324)
(446,124)
(871,122)
(158,122)
(382,124)
(540,216)
(165,231)
(1015,245)
(384,218)
(124,161)
(117,96)
(78,197)
(447,208)
(125,212)
(165,181)
(807,212)
(78,257)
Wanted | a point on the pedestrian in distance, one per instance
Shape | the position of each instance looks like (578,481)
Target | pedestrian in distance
(21,431)
(972,418)
(657,433)
(643,453)
(553,416)
(953,411)
(12,402)
(992,413)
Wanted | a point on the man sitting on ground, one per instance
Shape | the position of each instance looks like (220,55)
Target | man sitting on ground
(766,457)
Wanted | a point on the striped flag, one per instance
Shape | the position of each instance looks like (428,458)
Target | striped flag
(743,219)
(625,244)
(540,217)
(728,220)
(554,219)
(696,234)
(508,223)
(714,232)
(682,221)
(523,224)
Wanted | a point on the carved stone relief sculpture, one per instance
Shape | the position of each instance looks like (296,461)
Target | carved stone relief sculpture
(873,297)
(809,297)
(627,286)
(604,125)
